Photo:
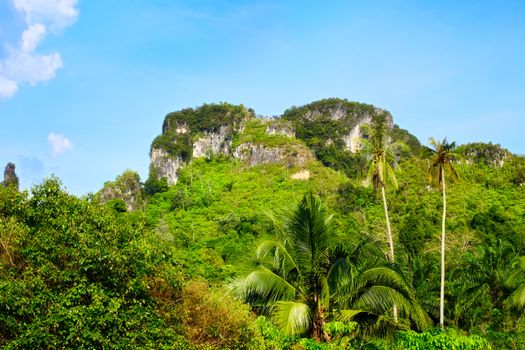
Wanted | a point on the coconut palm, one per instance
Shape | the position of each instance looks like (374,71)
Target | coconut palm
(441,163)
(380,171)
(300,279)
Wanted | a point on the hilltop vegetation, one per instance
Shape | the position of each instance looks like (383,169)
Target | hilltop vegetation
(91,273)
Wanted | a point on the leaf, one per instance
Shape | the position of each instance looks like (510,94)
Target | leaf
(292,317)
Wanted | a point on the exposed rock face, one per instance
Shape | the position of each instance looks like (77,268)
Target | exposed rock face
(255,154)
(213,143)
(487,153)
(165,165)
(233,131)
(336,112)
(280,127)
(10,178)
(334,121)
(352,140)
(126,187)
(301,175)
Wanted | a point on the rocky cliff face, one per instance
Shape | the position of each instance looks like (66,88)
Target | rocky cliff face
(335,122)
(280,127)
(212,143)
(165,165)
(234,131)
(10,178)
(254,154)
(487,153)
(126,187)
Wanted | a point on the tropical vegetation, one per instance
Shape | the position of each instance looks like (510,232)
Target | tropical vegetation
(240,256)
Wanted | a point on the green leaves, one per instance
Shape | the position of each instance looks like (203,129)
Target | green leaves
(77,275)
(292,317)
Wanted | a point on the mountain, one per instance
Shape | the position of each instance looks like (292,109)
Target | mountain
(330,129)
(221,179)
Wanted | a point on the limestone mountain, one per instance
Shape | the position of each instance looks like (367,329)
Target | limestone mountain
(329,130)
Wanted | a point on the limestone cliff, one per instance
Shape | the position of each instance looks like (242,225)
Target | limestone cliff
(126,188)
(10,177)
(165,165)
(294,139)
(335,122)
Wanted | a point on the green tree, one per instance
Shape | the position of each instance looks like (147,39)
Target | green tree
(301,279)
(380,171)
(441,163)
(77,275)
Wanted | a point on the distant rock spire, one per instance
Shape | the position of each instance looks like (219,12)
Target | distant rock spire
(10,178)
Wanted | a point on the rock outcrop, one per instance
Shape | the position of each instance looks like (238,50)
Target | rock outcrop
(254,154)
(10,177)
(165,165)
(212,143)
(488,153)
(335,121)
(127,188)
(280,127)
(234,131)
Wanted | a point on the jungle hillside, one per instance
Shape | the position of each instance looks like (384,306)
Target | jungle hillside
(327,227)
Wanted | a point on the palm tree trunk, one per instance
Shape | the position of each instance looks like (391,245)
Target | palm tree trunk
(442,288)
(390,240)
(318,331)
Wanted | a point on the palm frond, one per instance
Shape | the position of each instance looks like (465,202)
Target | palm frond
(263,284)
(347,315)
(391,178)
(292,317)
(308,229)
(380,299)
(518,297)
(281,259)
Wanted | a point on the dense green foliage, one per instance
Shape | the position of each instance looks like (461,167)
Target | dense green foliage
(74,274)
(303,279)
(218,210)
(78,273)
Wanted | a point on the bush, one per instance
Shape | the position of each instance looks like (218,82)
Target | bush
(437,339)
(214,320)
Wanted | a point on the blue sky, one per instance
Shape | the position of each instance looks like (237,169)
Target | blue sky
(85,85)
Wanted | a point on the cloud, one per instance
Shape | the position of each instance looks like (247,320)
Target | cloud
(59,143)
(32,36)
(22,64)
(57,14)
(8,88)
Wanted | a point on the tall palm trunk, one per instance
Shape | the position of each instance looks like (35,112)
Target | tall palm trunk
(390,240)
(442,289)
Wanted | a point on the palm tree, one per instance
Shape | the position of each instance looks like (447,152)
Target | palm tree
(300,279)
(442,162)
(380,171)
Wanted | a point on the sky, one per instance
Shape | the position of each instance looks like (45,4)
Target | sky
(85,85)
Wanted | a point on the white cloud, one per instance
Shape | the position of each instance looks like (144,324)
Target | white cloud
(57,14)
(32,36)
(8,88)
(22,64)
(59,143)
